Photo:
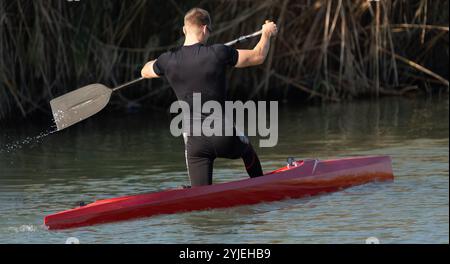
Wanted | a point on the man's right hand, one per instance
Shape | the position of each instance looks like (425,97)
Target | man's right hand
(269,29)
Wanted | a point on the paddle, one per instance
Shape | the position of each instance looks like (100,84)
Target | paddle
(85,102)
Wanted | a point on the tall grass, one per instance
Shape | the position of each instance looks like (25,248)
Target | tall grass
(327,49)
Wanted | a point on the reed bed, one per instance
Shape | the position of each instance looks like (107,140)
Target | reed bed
(327,50)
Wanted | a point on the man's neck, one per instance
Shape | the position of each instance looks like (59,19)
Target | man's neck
(190,40)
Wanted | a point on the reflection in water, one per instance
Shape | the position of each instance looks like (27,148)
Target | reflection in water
(115,154)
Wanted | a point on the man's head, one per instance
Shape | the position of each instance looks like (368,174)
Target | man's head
(197,24)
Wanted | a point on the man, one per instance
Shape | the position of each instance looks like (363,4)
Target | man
(198,68)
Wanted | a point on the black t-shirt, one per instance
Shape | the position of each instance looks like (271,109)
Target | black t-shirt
(197,69)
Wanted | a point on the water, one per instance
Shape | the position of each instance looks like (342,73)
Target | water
(111,155)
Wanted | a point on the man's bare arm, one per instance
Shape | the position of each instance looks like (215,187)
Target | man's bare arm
(258,55)
(148,72)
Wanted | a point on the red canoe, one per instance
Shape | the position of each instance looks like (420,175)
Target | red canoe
(303,178)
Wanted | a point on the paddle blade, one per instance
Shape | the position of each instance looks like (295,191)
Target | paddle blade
(80,104)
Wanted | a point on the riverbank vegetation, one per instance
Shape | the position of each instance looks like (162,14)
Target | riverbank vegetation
(327,50)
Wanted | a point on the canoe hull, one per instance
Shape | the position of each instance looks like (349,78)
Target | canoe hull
(306,178)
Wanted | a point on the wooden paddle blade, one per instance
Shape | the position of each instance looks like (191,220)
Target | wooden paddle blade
(80,104)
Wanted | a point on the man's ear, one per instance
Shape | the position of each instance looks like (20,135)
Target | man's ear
(184,30)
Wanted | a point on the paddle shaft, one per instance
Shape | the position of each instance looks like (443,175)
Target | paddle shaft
(243,38)
(231,43)
(128,84)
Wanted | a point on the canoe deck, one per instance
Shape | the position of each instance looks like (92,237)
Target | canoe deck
(304,178)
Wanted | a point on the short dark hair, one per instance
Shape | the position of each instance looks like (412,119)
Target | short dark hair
(197,16)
